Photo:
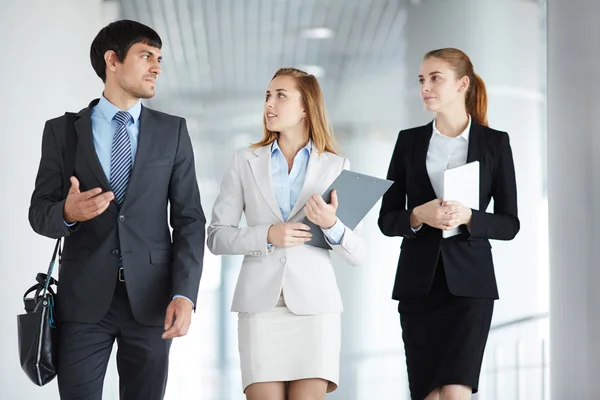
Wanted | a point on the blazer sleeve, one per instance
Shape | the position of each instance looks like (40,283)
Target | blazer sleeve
(225,236)
(352,246)
(394,216)
(47,201)
(187,220)
(504,223)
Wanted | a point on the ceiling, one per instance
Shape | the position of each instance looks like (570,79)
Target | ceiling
(219,55)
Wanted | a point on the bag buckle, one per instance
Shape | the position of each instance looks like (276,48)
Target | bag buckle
(121,275)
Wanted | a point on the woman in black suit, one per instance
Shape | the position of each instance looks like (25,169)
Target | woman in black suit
(446,287)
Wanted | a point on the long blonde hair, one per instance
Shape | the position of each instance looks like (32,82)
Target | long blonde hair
(316,114)
(460,63)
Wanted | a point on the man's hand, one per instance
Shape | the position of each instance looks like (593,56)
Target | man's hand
(84,206)
(178,318)
(320,213)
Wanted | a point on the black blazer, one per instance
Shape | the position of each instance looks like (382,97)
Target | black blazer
(157,266)
(467,256)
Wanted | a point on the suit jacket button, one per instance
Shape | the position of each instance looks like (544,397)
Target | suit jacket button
(115,252)
(121,218)
(282,260)
(259,253)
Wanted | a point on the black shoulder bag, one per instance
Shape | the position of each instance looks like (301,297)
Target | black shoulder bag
(37,332)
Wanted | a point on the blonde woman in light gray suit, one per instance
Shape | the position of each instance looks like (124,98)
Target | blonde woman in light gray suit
(287,297)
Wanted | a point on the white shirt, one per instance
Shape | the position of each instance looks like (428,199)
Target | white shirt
(445,152)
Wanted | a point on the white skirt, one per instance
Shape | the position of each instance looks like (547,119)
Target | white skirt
(279,346)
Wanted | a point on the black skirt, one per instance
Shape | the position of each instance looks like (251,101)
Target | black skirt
(444,337)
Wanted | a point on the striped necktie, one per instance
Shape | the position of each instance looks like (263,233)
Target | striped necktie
(121,160)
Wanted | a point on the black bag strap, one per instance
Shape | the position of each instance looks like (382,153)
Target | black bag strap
(68,169)
(43,286)
(48,279)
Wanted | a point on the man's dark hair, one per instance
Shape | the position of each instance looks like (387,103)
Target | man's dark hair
(119,36)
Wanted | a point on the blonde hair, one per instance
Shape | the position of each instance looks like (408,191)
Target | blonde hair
(476,96)
(316,114)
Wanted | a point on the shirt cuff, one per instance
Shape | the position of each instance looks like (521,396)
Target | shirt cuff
(417,229)
(68,224)
(177,296)
(335,234)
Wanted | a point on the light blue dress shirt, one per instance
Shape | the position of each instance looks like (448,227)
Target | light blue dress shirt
(104,128)
(287,187)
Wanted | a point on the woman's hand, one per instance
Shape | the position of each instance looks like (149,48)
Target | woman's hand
(444,215)
(288,234)
(320,213)
(461,215)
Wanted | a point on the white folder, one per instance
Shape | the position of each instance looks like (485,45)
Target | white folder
(462,184)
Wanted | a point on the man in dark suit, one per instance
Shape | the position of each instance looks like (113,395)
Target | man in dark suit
(123,275)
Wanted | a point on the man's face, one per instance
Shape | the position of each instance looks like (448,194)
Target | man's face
(137,73)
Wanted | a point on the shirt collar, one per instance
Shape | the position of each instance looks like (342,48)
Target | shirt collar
(109,110)
(275,146)
(464,134)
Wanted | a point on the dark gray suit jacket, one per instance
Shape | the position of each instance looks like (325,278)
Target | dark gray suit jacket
(157,264)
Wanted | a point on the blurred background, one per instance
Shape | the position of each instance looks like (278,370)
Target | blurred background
(219,56)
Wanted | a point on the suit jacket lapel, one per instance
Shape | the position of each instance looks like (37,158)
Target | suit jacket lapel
(145,141)
(261,169)
(420,159)
(83,127)
(475,142)
(315,172)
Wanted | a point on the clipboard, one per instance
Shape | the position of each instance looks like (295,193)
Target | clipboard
(462,184)
(357,194)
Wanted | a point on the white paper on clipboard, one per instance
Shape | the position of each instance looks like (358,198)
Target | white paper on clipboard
(462,184)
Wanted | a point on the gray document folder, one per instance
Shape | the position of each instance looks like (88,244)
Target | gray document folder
(357,194)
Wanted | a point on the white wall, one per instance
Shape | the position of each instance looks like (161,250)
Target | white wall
(45,71)
(573,198)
